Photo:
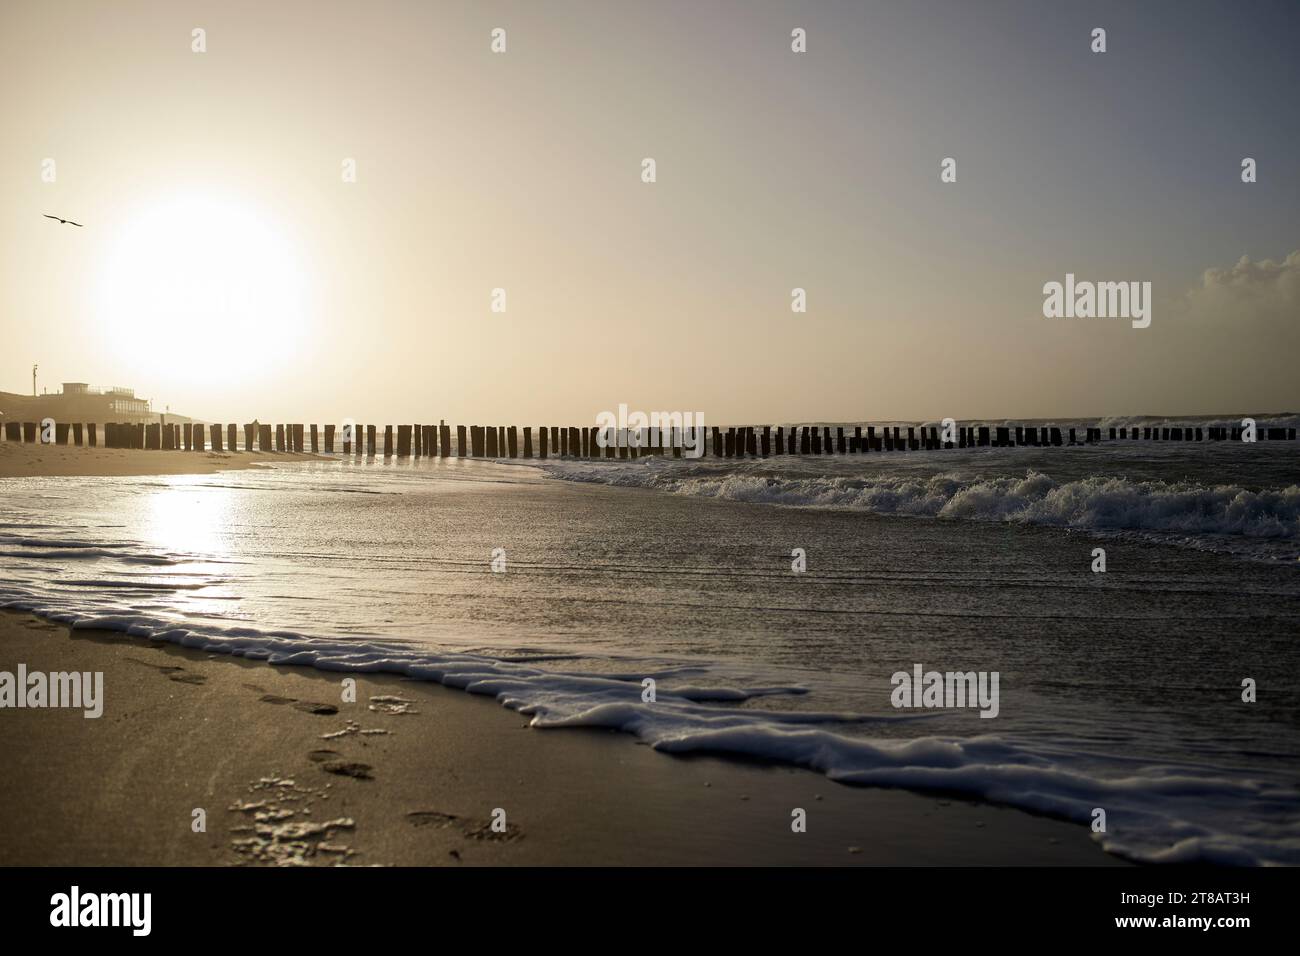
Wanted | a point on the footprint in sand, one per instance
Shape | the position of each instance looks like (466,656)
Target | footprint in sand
(348,768)
(305,706)
(171,672)
(425,818)
(471,829)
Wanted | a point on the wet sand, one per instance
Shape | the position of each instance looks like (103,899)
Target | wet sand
(287,773)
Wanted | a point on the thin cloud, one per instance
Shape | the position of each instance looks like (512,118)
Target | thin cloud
(1249,292)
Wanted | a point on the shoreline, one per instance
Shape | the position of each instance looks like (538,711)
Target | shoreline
(22,460)
(249,743)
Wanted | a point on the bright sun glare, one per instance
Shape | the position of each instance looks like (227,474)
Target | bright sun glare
(202,282)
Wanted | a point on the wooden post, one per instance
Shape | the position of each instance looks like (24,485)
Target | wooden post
(766,447)
(528,442)
(491,435)
(189,436)
(417,437)
(199,443)
(372,445)
(403,440)
(512,441)
(564,443)
(92,434)
(279,438)
(462,442)
(153,437)
(315,440)
(329,440)
(805,441)
(216,438)
(543,446)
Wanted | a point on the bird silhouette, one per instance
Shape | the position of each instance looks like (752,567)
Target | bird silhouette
(66,222)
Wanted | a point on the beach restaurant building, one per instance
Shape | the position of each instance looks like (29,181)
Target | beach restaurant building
(79,402)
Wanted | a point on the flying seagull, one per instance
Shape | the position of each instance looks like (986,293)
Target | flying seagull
(66,222)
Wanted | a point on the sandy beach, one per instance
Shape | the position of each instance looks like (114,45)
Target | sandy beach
(23,460)
(259,748)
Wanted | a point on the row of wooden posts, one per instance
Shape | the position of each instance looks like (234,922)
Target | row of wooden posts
(479,441)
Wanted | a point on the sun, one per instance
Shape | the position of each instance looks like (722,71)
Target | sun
(205,283)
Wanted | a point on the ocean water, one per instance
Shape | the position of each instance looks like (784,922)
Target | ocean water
(1119,690)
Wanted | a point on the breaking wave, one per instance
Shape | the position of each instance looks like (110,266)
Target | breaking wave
(1186,512)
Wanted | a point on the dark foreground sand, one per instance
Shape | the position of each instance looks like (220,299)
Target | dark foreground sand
(242,739)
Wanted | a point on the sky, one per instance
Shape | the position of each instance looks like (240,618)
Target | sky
(226,268)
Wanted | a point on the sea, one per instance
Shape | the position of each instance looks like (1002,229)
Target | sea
(1139,603)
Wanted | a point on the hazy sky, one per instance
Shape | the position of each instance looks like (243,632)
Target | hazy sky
(227,270)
